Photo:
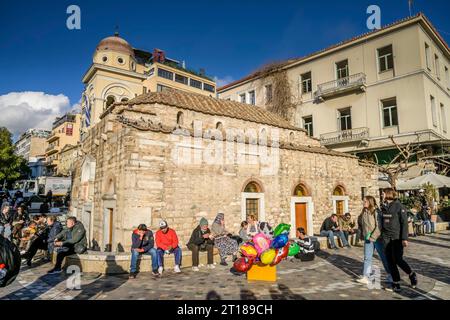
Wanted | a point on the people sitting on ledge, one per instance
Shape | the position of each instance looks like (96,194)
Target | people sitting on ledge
(223,239)
(69,241)
(201,240)
(143,242)
(167,243)
(348,226)
(330,228)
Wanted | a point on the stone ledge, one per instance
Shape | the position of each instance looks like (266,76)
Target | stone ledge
(116,263)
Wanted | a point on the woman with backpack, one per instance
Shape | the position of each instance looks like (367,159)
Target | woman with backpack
(370,225)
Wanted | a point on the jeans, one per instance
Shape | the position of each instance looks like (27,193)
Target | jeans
(330,235)
(394,257)
(135,255)
(369,247)
(429,226)
(196,251)
(37,244)
(176,252)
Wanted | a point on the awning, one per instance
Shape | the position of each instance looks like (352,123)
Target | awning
(437,180)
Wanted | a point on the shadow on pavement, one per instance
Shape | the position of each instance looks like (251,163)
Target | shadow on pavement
(284,294)
(428,243)
(105,284)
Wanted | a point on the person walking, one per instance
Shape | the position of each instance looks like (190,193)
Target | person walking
(394,233)
(370,224)
(201,240)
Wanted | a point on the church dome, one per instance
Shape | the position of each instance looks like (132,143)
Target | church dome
(115,43)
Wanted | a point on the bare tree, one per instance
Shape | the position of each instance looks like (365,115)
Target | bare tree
(400,163)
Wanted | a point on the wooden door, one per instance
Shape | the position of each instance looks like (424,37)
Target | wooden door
(340,207)
(300,216)
(252,207)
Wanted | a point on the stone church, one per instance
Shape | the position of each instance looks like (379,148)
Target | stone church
(180,156)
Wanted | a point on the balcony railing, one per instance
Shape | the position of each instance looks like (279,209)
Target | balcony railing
(353,82)
(344,136)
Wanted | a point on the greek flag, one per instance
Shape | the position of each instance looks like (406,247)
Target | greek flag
(87,111)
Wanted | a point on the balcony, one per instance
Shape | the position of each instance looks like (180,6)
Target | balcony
(52,137)
(345,136)
(353,83)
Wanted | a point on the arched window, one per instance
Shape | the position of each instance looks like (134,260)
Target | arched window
(339,191)
(252,187)
(219,125)
(180,118)
(301,191)
(109,101)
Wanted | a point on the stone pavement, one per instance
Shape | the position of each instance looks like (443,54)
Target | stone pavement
(330,276)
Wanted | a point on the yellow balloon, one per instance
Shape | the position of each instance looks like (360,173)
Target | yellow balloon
(268,256)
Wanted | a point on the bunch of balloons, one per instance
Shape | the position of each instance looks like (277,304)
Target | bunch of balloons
(267,250)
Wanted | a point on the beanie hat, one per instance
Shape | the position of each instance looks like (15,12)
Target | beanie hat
(203,222)
(162,224)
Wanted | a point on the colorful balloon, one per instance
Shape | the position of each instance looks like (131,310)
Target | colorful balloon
(261,242)
(268,256)
(281,254)
(294,248)
(248,250)
(280,241)
(281,228)
(242,264)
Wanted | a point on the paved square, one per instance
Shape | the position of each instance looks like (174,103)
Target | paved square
(330,276)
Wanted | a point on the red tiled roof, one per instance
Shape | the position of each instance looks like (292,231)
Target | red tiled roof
(342,43)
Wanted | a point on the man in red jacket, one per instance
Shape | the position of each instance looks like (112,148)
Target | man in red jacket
(167,243)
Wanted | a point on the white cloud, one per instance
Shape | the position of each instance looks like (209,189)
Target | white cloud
(20,111)
(223,81)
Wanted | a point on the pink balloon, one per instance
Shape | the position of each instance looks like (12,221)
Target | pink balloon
(261,242)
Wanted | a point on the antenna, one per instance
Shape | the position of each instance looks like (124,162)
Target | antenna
(410,4)
(116,33)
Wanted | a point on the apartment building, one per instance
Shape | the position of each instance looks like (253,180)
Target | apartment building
(120,72)
(65,131)
(354,95)
(32,143)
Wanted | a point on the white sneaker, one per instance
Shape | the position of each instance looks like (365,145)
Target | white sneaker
(160,270)
(210,266)
(363,280)
(195,269)
(176,269)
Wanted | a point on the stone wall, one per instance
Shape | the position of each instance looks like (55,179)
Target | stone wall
(136,175)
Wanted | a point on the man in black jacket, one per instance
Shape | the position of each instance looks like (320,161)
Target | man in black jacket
(143,242)
(394,233)
(330,228)
(201,240)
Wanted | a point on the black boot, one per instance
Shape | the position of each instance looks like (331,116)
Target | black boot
(223,262)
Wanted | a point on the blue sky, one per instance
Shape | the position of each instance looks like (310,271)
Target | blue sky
(228,38)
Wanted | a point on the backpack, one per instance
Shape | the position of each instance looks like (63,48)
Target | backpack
(10,257)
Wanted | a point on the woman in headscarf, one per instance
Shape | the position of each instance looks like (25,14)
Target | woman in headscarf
(226,245)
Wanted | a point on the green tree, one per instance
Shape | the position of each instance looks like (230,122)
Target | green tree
(12,166)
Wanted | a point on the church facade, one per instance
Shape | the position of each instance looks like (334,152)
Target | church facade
(180,156)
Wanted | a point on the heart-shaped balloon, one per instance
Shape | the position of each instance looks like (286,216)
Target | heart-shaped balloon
(268,256)
(261,242)
(281,254)
(280,241)
(248,250)
(242,264)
